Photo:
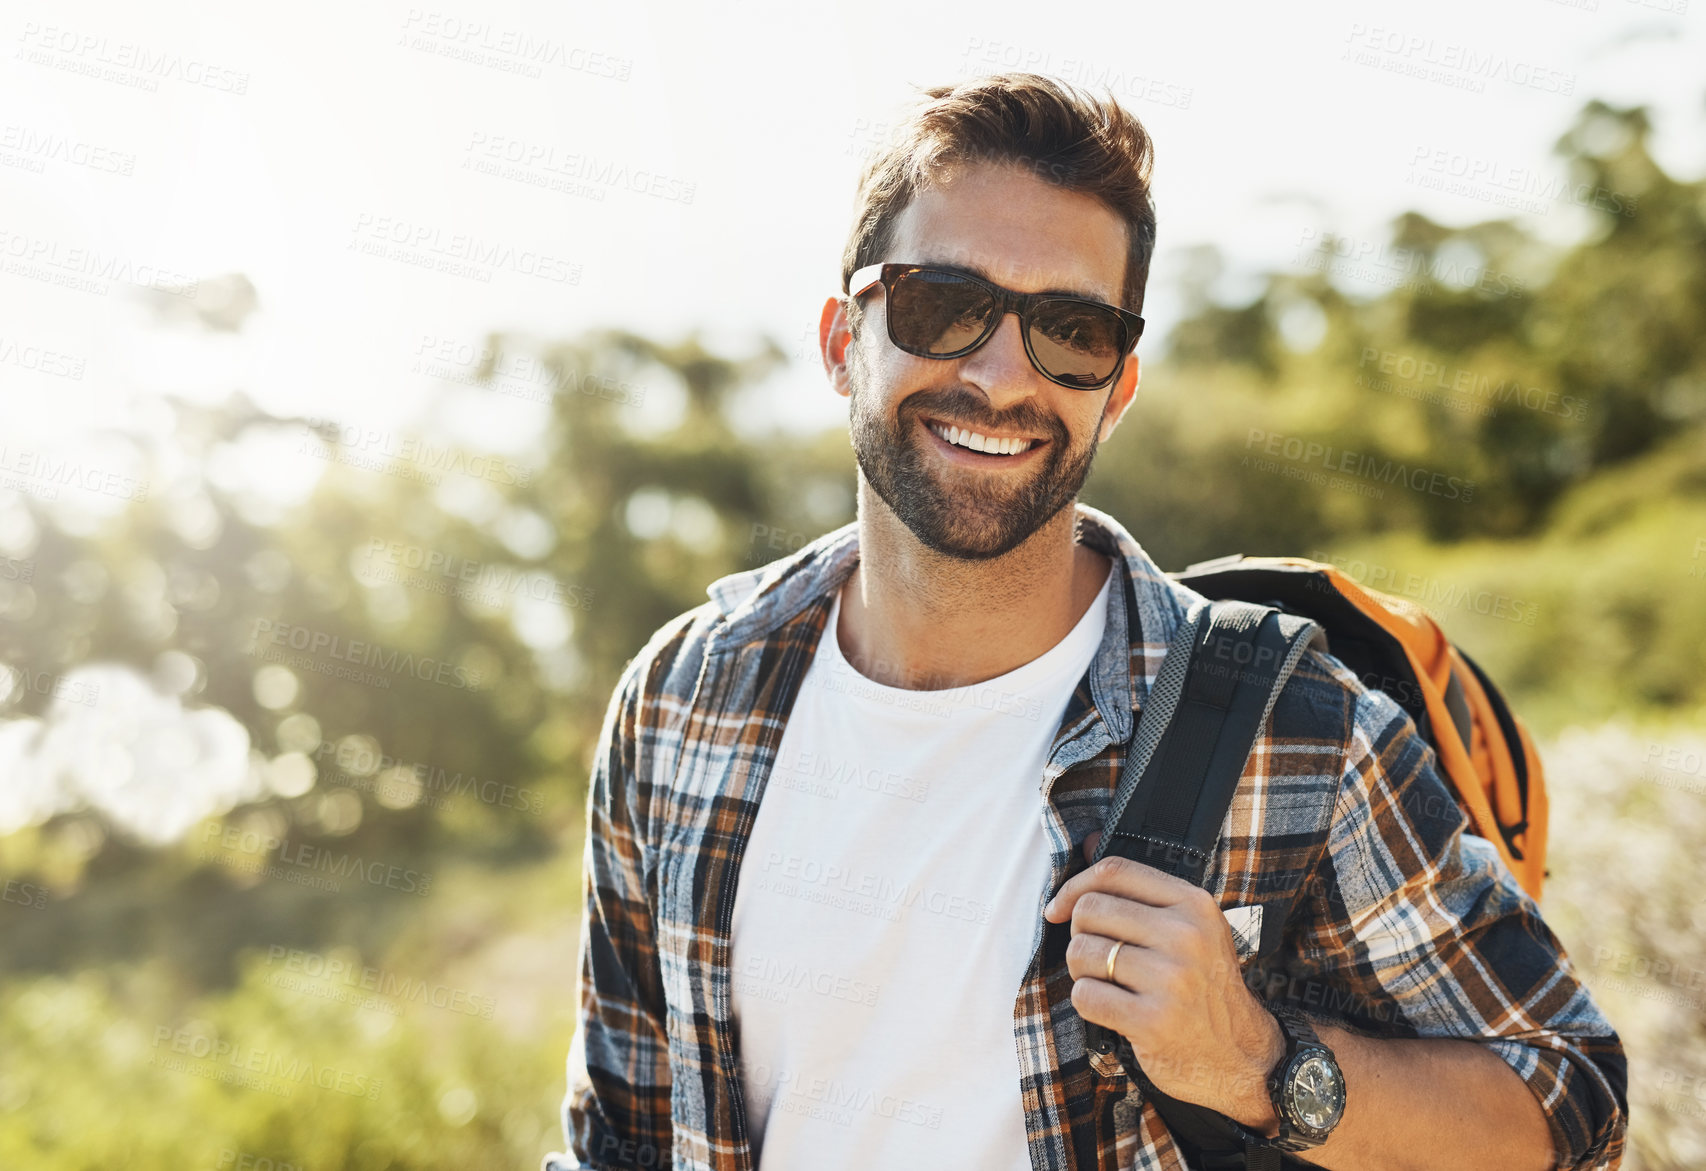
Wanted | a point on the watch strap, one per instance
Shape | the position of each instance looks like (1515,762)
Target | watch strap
(1300,1035)
(1299,1030)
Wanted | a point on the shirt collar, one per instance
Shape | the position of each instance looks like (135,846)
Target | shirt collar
(755,602)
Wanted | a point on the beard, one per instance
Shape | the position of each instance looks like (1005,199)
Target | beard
(966,513)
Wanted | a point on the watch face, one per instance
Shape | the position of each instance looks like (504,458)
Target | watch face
(1317,1093)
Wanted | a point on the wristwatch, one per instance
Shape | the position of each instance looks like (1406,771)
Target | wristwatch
(1307,1086)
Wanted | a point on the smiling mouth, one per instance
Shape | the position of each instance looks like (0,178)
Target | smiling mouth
(982,444)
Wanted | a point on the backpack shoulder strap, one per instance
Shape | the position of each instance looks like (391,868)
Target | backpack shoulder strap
(1219,680)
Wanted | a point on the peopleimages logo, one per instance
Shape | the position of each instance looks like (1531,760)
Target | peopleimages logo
(510,50)
(1368,467)
(1400,268)
(456,253)
(1672,767)
(568,172)
(24,894)
(17,680)
(124,62)
(401,781)
(52,471)
(317,643)
(41,360)
(422,458)
(86,270)
(230,1160)
(251,1060)
(452,573)
(392,986)
(1433,595)
(1450,63)
(39,148)
(1426,372)
(1493,181)
(317,860)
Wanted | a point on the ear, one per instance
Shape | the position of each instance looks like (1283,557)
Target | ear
(834,336)
(1125,390)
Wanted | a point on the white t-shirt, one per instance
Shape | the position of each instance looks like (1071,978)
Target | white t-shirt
(885,912)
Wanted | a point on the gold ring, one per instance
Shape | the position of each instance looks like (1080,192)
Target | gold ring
(1111,954)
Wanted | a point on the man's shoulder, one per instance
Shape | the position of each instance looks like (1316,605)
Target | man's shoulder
(670,660)
(1325,703)
(660,682)
(1325,696)
(1362,745)
(1365,704)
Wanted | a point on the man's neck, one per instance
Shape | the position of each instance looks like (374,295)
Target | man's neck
(921,620)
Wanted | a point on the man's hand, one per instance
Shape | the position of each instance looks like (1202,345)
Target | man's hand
(1200,1034)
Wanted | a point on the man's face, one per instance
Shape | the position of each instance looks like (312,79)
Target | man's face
(1029,236)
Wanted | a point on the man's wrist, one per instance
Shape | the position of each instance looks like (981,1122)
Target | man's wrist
(1254,1106)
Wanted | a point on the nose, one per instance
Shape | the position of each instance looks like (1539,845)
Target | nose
(1000,367)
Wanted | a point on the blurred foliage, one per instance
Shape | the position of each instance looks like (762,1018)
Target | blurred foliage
(641,482)
(1609,330)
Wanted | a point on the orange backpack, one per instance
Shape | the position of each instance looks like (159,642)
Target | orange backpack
(1484,752)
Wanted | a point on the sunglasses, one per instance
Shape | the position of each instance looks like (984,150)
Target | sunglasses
(940,313)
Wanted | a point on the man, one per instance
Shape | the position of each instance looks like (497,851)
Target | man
(839,912)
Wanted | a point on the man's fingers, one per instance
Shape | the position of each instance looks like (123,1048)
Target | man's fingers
(1112,917)
(1087,957)
(1105,1004)
(1122,876)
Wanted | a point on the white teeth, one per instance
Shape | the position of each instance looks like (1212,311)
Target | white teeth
(961,437)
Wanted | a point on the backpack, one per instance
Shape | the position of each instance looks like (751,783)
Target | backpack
(1485,754)
(1222,673)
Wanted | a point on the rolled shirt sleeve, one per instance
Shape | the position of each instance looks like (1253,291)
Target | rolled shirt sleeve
(1429,929)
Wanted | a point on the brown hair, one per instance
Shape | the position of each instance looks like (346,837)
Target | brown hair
(1059,132)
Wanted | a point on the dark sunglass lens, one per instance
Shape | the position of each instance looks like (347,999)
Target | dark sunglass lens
(1077,343)
(938,312)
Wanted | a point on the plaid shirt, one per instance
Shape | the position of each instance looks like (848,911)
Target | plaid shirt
(1399,923)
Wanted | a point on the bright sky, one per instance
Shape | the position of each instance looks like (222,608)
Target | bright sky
(178,140)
